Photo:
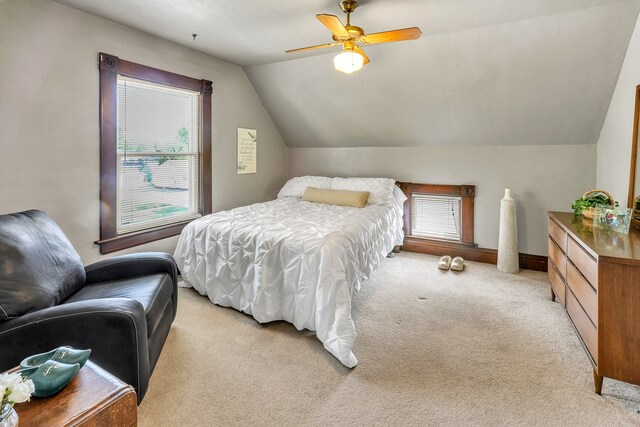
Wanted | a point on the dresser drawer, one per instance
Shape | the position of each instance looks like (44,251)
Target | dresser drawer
(558,235)
(587,265)
(583,325)
(584,293)
(557,284)
(558,258)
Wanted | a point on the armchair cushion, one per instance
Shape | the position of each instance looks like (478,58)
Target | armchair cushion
(38,266)
(134,265)
(153,291)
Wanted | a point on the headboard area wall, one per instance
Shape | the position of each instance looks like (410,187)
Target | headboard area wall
(537,175)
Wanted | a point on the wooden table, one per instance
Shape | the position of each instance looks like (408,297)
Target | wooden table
(93,398)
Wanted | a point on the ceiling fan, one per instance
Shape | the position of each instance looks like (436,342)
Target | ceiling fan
(353,57)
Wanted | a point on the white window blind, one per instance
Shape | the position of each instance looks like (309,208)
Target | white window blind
(158,149)
(436,216)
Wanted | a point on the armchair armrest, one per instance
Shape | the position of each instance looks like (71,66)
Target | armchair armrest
(114,329)
(131,265)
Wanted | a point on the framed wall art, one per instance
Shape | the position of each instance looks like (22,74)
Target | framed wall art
(247,151)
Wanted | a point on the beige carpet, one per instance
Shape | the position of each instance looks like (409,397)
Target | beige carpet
(440,348)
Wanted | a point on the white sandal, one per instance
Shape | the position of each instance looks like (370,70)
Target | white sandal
(457,264)
(444,262)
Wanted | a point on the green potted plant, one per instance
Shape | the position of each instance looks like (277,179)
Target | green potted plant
(586,204)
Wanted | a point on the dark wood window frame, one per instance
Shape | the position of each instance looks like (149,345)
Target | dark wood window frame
(467,194)
(110,67)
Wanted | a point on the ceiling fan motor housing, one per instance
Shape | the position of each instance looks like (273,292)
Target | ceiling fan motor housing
(348,6)
(355,33)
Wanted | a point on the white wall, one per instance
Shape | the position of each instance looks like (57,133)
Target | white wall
(614,146)
(543,178)
(49,131)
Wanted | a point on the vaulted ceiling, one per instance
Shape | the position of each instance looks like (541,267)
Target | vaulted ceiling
(491,72)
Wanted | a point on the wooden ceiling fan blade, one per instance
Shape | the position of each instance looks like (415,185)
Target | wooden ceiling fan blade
(333,24)
(359,50)
(320,46)
(393,36)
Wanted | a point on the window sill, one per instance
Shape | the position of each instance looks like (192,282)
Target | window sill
(129,240)
(416,240)
(468,251)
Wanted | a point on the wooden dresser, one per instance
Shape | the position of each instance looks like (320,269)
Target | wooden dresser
(595,275)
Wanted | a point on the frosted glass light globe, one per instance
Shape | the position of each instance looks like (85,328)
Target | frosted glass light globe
(348,61)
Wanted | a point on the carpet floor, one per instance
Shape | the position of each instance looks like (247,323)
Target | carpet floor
(477,347)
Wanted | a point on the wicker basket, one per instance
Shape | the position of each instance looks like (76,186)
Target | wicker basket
(590,212)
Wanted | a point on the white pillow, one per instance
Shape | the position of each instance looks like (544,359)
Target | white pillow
(399,198)
(295,186)
(380,189)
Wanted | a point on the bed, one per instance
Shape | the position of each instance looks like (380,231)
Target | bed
(293,260)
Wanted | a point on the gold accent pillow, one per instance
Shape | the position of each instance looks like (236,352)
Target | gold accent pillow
(356,199)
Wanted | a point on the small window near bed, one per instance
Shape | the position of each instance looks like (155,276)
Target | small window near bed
(438,216)
(435,216)
(155,156)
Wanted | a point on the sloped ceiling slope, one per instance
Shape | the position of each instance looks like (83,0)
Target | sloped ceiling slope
(487,72)
(544,80)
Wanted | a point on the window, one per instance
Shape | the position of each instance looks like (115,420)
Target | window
(438,215)
(155,156)
(158,150)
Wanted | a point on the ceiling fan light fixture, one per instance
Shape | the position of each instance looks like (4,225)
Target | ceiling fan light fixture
(348,61)
(353,57)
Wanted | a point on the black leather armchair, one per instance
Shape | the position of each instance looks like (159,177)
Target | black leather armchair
(121,308)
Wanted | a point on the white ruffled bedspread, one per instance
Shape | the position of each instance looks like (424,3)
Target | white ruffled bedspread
(291,260)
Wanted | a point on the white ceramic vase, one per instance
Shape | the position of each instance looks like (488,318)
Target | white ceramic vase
(508,261)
